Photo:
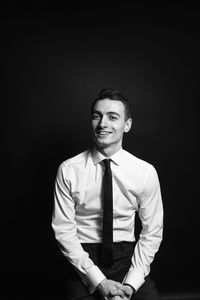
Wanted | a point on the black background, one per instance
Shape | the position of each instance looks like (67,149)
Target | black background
(54,62)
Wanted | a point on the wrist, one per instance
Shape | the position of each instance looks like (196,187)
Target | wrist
(102,287)
(132,288)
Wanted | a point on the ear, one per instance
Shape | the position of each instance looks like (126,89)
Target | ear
(128,125)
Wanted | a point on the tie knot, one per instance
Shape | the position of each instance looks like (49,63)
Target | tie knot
(107,163)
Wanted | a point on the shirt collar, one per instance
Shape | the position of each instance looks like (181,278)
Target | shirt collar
(98,157)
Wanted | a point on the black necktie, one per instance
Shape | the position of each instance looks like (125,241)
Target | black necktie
(107,233)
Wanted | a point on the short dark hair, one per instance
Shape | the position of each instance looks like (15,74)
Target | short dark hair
(112,94)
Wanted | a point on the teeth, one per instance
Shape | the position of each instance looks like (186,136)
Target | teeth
(103,133)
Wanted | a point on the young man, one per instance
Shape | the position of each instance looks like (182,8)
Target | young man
(104,259)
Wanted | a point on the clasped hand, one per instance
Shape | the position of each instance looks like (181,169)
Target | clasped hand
(114,290)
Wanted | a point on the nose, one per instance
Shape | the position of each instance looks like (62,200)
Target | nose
(103,122)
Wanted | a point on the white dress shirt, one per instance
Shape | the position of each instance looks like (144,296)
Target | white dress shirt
(77,216)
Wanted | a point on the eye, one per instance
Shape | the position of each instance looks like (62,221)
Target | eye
(113,117)
(95,117)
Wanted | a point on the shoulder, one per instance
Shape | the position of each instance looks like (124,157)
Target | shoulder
(136,162)
(77,159)
(76,162)
(144,173)
(141,168)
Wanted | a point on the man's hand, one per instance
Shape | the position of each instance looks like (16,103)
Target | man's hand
(115,298)
(113,290)
(129,292)
(127,295)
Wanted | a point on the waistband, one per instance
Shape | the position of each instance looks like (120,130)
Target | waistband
(116,245)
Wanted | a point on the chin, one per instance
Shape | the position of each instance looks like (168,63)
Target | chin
(101,144)
(100,140)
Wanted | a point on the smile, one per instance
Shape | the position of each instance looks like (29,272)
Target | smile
(103,133)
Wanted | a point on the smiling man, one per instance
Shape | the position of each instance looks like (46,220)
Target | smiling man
(109,122)
(97,194)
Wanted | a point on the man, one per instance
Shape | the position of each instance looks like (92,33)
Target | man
(107,261)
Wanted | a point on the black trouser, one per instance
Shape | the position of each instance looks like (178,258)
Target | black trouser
(123,252)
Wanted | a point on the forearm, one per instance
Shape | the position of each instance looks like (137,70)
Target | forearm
(72,249)
(151,216)
(143,256)
(65,229)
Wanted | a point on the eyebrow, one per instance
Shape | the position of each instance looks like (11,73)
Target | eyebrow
(108,113)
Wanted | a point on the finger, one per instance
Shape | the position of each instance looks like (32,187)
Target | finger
(116,292)
(115,298)
(128,291)
(121,286)
(113,292)
(120,293)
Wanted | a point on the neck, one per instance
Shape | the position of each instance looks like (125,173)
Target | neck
(108,151)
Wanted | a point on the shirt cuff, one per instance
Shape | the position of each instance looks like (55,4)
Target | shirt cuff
(93,277)
(134,278)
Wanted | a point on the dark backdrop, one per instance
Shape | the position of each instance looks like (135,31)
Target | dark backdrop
(54,62)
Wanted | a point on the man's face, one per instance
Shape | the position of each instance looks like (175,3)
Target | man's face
(109,124)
